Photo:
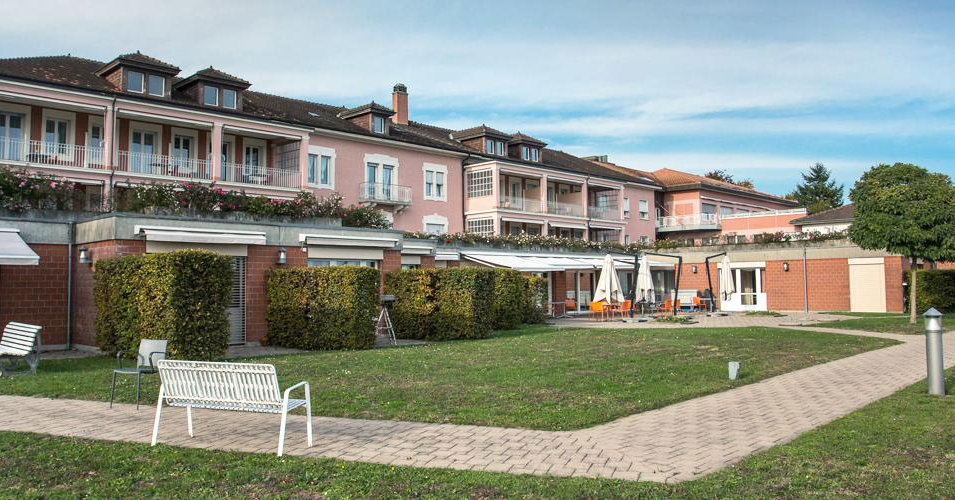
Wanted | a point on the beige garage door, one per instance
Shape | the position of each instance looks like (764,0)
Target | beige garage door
(867,285)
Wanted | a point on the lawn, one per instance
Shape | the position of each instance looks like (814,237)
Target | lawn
(539,377)
(900,447)
(878,322)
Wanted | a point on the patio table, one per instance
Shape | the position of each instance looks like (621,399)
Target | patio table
(558,309)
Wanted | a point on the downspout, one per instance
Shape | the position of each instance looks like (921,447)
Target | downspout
(112,160)
(69,285)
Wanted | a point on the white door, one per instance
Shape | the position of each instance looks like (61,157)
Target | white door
(867,285)
(237,306)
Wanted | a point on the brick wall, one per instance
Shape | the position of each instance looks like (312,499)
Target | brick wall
(84,312)
(390,263)
(427,262)
(260,259)
(37,294)
(893,284)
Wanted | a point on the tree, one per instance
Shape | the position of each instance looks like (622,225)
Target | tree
(724,176)
(906,210)
(817,192)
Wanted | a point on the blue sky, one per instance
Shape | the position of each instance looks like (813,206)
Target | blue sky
(760,89)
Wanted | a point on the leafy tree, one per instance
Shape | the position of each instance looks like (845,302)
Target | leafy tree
(724,176)
(818,191)
(905,210)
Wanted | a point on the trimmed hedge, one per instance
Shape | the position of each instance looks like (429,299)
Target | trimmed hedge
(180,296)
(322,308)
(935,288)
(447,304)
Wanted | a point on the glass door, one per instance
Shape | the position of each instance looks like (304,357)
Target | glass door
(253,163)
(746,278)
(386,180)
(55,137)
(94,154)
(181,154)
(142,151)
(11,136)
(371,176)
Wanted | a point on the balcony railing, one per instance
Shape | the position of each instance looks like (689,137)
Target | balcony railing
(676,221)
(164,166)
(566,209)
(377,192)
(604,213)
(523,204)
(259,175)
(52,154)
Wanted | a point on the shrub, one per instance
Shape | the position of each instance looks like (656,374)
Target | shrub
(322,308)
(936,288)
(510,299)
(535,296)
(464,304)
(180,296)
(414,302)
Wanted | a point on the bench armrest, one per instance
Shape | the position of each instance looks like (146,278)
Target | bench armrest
(296,386)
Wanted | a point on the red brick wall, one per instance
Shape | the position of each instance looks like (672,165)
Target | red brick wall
(893,284)
(260,259)
(84,312)
(427,262)
(391,262)
(37,294)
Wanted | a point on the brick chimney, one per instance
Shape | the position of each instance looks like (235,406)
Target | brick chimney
(399,103)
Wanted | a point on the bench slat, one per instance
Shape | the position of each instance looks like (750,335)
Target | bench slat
(19,334)
(18,342)
(19,338)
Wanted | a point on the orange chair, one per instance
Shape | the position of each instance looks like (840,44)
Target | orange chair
(570,305)
(598,308)
(665,307)
(624,308)
(697,305)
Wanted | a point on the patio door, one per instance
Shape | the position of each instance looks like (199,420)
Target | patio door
(749,295)
(142,149)
(236,311)
(11,136)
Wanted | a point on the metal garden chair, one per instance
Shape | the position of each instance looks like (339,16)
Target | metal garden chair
(150,352)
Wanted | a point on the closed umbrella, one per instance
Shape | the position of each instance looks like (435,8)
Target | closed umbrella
(644,281)
(726,280)
(608,286)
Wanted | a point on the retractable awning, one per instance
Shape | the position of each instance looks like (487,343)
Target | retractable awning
(548,262)
(209,236)
(510,262)
(14,251)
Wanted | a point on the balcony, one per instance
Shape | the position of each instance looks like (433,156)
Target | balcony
(565,209)
(529,205)
(385,194)
(611,213)
(258,175)
(163,166)
(52,154)
(692,222)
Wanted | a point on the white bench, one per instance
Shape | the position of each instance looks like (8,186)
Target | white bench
(227,386)
(20,342)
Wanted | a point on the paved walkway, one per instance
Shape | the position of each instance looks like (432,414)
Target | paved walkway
(675,443)
(718,320)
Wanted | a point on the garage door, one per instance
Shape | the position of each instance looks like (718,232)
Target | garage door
(867,285)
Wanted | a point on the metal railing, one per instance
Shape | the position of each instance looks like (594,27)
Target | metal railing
(52,154)
(162,165)
(688,220)
(523,204)
(564,208)
(259,175)
(604,213)
(384,193)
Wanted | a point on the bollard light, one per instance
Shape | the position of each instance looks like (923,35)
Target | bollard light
(934,359)
(282,255)
(734,369)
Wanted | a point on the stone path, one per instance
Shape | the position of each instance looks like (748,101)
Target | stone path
(675,443)
(731,320)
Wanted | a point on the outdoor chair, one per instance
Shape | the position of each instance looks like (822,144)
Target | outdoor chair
(150,352)
(598,308)
(20,343)
(696,305)
(570,305)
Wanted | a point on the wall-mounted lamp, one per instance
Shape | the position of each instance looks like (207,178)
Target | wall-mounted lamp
(86,256)
(786,267)
(693,268)
(282,256)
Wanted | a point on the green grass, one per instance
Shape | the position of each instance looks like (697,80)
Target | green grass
(900,447)
(878,323)
(540,377)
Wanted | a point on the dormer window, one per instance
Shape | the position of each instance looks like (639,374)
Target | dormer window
(228,98)
(157,85)
(378,124)
(494,146)
(529,153)
(210,95)
(134,82)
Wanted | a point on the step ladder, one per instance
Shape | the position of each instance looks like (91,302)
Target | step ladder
(384,328)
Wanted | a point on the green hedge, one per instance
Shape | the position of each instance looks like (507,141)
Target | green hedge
(535,297)
(415,303)
(322,307)
(180,296)
(510,299)
(935,288)
(464,304)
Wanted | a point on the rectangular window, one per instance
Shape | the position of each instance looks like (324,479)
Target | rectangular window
(228,98)
(535,154)
(626,208)
(499,146)
(525,153)
(378,124)
(210,96)
(488,146)
(431,228)
(644,209)
(325,170)
(434,182)
(182,147)
(726,211)
(481,226)
(644,240)
(134,82)
(312,168)
(626,239)
(342,262)
(157,85)
(428,183)
(479,183)
(439,184)
(57,131)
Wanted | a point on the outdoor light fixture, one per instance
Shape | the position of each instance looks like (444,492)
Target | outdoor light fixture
(693,269)
(786,266)
(86,256)
(282,256)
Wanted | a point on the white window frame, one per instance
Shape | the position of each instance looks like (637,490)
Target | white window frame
(217,89)
(23,110)
(55,114)
(185,132)
(482,221)
(434,219)
(263,150)
(626,207)
(235,101)
(641,205)
(434,169)
(384,125)
(380,160)
(161,78)
(525,153)
(490,183)
(142,87)
(321,151)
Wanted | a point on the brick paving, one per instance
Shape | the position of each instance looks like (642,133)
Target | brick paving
(675,443)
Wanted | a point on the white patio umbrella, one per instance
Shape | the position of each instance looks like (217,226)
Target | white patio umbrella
(726,279)
(608,286)
(644,281)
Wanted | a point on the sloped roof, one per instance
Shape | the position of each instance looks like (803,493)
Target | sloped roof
(371,107)
(470,133)
(831,216)
(638,175)
(675,179)
(520,137)
(139,59)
